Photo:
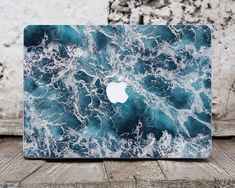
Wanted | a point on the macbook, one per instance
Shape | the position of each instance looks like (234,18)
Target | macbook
(117,91)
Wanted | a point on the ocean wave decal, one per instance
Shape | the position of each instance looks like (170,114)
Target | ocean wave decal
(67,113)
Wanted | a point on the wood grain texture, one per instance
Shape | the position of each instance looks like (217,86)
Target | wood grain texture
(11,126)
(13,166)
(131,173)
(65,174)
(195,173)
(217,171)
(223,128)
(2,139)
(224,155)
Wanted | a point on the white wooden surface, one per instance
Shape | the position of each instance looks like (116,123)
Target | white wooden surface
(223,128)
(13,166)
(11,126)
(217,171)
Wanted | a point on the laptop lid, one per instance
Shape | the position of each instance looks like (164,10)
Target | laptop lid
(115,91)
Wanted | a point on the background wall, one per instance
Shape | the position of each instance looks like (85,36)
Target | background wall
(15,14)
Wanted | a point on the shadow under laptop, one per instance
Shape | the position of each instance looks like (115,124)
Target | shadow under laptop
(89,160)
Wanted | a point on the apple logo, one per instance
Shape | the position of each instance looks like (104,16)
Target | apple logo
(116,92)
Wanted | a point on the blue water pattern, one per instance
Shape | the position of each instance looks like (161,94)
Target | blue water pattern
(168,73)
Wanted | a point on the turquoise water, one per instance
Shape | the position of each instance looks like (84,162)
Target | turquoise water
(66,110)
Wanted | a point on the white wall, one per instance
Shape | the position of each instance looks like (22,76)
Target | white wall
(15,14)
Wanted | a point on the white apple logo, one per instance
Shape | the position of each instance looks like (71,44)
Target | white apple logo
(116,92)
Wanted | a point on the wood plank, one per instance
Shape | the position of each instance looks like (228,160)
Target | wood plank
(11,126)
(195,173)
(132,173)
(13,167)
(68,174)
(223,128)
(217,171)
(224,155)
(2,139)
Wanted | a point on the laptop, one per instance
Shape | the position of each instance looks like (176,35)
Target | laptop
(117,91)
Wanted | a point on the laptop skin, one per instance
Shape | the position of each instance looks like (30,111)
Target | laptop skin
(117,91)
